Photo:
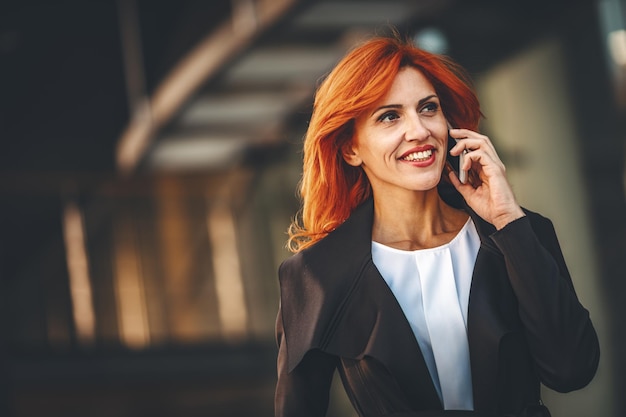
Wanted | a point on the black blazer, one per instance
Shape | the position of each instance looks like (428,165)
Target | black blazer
(525,326)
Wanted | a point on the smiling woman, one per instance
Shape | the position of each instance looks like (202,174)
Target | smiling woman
(354,88)
(401,145)
(390,245)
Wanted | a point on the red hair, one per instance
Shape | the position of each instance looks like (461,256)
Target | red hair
(331,189)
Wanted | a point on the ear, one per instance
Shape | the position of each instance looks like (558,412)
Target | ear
(350,155)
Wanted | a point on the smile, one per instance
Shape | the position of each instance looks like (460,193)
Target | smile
(418,156)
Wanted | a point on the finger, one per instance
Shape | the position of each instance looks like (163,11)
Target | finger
(481,156)
(474,159)
(472,139)
(472,144)
(466,133)
(463,189)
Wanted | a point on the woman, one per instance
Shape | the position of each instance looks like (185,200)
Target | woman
(429,296)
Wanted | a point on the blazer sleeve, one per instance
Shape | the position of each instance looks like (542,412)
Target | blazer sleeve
(303,392)
(560,334)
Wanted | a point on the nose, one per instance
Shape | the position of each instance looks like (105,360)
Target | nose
(415,129)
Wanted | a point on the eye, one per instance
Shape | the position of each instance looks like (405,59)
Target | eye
(430,107)
(388,116)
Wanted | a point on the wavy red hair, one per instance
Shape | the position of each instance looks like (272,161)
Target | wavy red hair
(331,189)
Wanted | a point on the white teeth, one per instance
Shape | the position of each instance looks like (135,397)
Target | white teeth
(418,156)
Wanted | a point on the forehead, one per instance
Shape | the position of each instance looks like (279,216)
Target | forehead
(409,82)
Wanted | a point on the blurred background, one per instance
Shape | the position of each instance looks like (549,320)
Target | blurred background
(150,153)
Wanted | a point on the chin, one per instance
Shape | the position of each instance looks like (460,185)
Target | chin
(427,183)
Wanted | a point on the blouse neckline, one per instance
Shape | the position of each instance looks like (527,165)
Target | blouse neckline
(452,242)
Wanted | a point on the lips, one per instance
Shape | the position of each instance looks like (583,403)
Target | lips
(420,154)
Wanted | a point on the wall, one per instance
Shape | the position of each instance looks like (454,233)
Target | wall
(530,120)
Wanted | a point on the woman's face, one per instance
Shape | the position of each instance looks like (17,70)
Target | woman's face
(401,142)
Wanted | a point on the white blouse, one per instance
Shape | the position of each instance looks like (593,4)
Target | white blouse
(432,287)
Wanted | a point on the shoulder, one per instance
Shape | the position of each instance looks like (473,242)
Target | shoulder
(335,258)
(320,276)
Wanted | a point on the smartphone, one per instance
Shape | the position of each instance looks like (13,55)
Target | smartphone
(457,161)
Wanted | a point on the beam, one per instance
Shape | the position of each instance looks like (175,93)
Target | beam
(193,70)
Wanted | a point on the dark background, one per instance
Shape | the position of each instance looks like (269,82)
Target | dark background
(64,105)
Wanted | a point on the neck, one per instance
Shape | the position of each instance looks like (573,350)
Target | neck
(415,220)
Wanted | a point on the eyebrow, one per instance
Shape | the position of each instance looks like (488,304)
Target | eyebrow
(399,106)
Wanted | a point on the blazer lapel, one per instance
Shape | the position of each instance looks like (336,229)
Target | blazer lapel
(489,295)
